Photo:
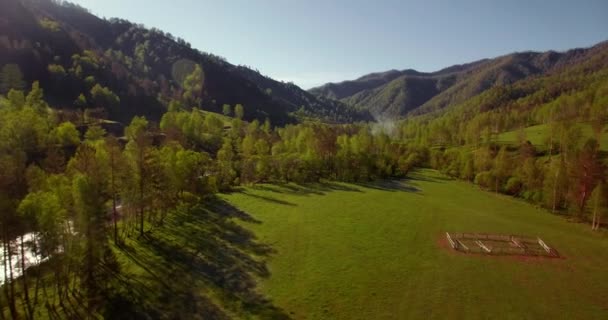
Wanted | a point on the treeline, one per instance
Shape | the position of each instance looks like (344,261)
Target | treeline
(68,192)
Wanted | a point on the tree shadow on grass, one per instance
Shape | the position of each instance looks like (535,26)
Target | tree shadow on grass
(418,176)
(306,189)
(390,185)
(201,264)
(269,199)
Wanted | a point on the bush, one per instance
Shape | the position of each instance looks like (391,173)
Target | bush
(485,179)
(513,186)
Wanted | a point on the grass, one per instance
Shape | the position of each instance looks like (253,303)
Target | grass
(537,135)
(376,251)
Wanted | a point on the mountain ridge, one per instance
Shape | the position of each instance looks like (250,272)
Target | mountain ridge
(394,93)
(136,63)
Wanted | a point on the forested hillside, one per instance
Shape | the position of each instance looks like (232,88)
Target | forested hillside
(395,94)
(138,70)
(484,139)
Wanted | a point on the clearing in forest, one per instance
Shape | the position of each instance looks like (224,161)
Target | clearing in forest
(379,251)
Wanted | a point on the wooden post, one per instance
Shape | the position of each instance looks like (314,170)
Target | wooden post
(452,243)
(545,246)
(460,244)
(483,246)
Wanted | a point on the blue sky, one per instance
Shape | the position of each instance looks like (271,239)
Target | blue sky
(314,41)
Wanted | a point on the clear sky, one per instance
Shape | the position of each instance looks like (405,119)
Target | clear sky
(311,42)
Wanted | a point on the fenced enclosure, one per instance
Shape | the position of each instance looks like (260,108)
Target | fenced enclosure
(500,244)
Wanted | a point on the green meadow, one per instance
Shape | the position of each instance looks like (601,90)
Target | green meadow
(537,135)
(334,250)
(377,251)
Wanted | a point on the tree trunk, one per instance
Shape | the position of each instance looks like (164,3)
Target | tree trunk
(555,192)
(141,194)
(114,213)
(26,291)
(12,304)
(7,278)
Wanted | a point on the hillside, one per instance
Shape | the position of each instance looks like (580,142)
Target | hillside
(399,93)
(70,50)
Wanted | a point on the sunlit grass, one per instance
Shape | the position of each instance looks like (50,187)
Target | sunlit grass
(373,251)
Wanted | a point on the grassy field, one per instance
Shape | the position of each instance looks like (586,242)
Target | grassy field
(344,251)
(537,135)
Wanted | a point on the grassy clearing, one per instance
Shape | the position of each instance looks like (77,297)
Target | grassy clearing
(375,251)
(537,135)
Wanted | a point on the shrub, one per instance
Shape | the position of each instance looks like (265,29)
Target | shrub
(513,186)
(485,179)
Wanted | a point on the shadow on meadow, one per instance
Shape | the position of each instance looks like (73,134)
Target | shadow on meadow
(305,189)
(324,187)
(200,264)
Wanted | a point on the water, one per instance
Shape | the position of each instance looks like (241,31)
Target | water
(32,258)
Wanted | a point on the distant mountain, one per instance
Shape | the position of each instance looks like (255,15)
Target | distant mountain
(399,93)
(70,50)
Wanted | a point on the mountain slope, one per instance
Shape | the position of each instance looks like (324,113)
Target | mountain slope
(138,65)
(398,93)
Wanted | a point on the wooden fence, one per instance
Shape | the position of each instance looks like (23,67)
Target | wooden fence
(500,244)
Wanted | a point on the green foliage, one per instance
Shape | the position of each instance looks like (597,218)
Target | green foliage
(35,99)
(239,111)
(137,128)
(485,179)
(193,87)
(49,24)
(57,71)
(66,134)
(227,110)
(95,133)
(81,101)
(104,97)
(11,78)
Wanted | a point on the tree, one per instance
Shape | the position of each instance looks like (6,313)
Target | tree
(141,161)
(82,103)
(227,110)
(555,184)
(193,87)
(239,111)
(35,99)
(600,204)
(502,167)
(66,134)
(16,99)
(89,203)
(116,164)
(585,172)
(57,71)
(225,159)
(11,78)
(104,97)
(94,133)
